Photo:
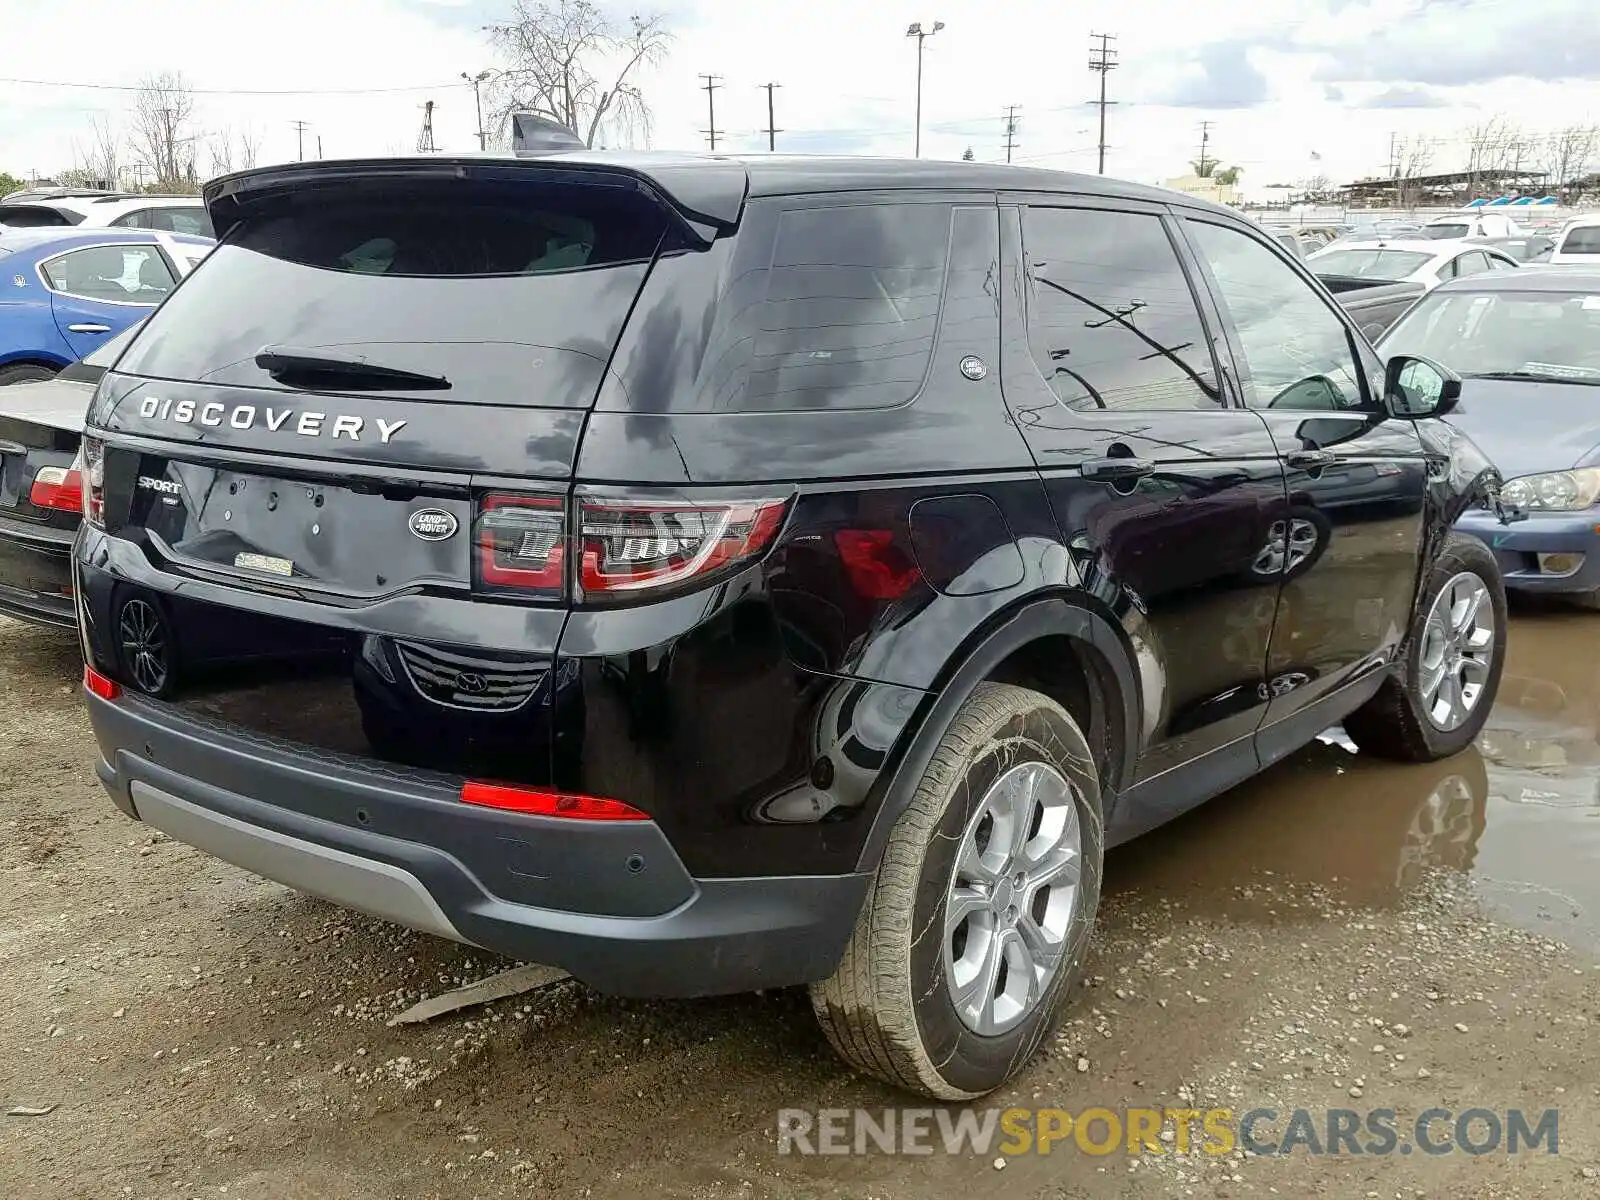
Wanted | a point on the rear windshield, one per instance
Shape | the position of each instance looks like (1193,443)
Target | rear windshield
(1445,232)
(1370,264)
(33,216)
(1583,240)
(514,290)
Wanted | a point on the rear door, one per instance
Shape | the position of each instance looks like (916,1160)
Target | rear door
(98,291)
(1356,479)
(357,417)
(1170,496)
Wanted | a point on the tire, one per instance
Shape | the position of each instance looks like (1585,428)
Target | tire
(25,373)
(1396,722)
(890,1010)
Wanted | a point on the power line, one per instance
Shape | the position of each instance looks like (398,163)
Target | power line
(772,127)
(1011,129)
(133,87)
(1103,61)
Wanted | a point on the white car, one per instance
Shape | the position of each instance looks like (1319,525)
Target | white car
(1412,260)
(1579,242)
(170,214)
(1472,224)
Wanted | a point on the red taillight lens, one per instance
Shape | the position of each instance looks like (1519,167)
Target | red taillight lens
(878,569)
(92,467)
(60,488)
(628,546)
(97,684)
(521,542)
(548,804)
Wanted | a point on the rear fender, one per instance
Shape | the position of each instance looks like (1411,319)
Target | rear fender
(1037,619)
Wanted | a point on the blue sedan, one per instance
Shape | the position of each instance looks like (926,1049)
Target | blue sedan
(1527,346)
(63,294)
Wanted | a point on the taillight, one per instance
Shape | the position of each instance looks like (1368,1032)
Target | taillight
(630,546)
(92,465)
(542,803)
(60,488)
(521,542)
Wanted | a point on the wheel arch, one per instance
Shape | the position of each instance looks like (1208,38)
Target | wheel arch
(1021,645)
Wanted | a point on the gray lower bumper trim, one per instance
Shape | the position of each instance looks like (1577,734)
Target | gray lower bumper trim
(364,884)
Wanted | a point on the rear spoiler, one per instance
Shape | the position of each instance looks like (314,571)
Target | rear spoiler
(706,193)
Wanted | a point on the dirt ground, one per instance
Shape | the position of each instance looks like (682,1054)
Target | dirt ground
(1339,933)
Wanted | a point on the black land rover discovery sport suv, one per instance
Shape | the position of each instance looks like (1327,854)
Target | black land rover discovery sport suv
(707,574)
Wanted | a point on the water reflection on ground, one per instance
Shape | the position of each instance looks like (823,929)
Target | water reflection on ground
(1520,811)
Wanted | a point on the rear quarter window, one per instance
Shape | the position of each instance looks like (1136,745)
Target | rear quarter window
(827,307)
(1583,240)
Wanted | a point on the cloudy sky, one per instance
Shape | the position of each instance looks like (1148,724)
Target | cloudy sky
(1292,89)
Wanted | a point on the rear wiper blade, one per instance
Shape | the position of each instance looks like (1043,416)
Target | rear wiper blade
(283,362)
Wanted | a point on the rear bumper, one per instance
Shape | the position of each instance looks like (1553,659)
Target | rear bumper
(1517,546)
(608,901)
(36,575)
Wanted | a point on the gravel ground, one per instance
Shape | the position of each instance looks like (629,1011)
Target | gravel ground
(1313,940)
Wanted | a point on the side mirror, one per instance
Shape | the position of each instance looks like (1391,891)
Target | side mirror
(1414,388)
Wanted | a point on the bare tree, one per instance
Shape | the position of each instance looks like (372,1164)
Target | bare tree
(1569,156)
(164,140)
(249,147)
(103,155)
(571,61)
(1412,158)
(219,147)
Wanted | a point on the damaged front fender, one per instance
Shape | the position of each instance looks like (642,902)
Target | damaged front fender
(1460,477)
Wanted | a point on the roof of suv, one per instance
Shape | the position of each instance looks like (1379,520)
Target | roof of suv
(716,185)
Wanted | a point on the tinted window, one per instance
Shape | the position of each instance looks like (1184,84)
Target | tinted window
(1583,240)
(1473,263)
(32,217)
(171,219)
(851,307)
(514,289)
(1446,232)
(1111,319)
(1298,353)
(129,274)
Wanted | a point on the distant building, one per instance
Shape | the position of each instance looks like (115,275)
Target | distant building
(1205,188)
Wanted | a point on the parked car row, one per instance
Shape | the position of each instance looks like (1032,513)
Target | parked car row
(705,574)
(61,208)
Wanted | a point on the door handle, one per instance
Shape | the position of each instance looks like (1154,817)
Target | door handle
(1116,470)
(88,329)
(1311,460)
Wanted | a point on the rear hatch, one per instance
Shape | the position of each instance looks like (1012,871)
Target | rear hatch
(343,448)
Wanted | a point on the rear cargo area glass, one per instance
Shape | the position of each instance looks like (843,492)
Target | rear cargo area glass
(512,291)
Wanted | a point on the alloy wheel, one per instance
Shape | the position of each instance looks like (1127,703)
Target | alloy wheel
(1457,653)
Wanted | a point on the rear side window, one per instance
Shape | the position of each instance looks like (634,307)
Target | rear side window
(1583,240)
(512,286)
(125,274)
(21,216)
(851,307)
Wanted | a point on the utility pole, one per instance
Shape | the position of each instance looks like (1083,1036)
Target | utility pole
(477,82)
(300,132)
(425,142)
(1205,140)
(1011,129)
(319,147)
(922,35)
(1394,161)
(772,125)
(1102,61)
(710,89)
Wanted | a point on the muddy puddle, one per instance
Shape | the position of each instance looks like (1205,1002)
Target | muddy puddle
(1519,812)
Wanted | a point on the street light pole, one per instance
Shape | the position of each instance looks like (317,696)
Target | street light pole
(477,97)
(916,31)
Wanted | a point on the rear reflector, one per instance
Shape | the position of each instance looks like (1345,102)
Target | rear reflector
(59,488)
(548,804)
(97,684)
